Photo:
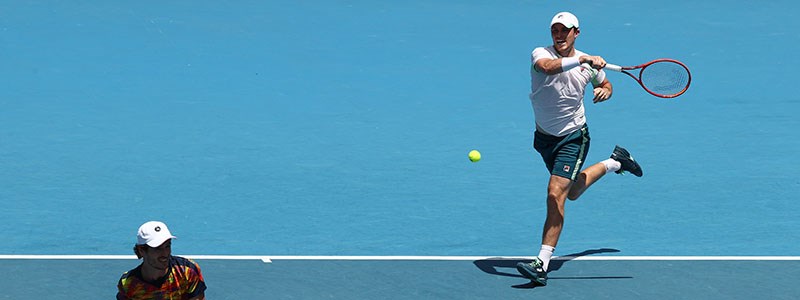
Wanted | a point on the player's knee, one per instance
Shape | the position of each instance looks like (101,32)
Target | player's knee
(573,196)
(555,198)
(555,203)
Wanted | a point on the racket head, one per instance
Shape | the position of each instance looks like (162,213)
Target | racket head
(665,78)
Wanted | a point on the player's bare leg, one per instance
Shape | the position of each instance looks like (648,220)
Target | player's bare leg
(620,161)
(586,178)
(557,190)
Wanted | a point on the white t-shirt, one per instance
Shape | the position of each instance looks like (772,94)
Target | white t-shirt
(557,99)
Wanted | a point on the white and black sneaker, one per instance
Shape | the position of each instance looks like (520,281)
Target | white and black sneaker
(533,271)
(626,160)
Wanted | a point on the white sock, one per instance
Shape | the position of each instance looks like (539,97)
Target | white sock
(611,165)
(545,254)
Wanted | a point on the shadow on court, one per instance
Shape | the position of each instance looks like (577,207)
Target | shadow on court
(492,266)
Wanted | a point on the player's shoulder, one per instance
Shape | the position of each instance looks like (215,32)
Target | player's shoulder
(133,273)
(183,261)
(549,50)
(184,265)
(129,281)
(543,52)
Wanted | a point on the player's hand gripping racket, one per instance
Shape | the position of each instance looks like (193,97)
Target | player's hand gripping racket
(665,78)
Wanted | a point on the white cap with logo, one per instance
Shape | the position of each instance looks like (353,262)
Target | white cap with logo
(153,234)
(569,20)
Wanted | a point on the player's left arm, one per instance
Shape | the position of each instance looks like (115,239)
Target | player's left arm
(602,91)
(196,284)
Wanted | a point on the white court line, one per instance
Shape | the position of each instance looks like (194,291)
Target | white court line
(609,258)
(115,257)
(270,258)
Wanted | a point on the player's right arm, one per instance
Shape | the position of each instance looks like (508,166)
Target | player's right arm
(552,66)
(548,66)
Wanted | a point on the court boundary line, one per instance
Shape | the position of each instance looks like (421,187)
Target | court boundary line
(270,258)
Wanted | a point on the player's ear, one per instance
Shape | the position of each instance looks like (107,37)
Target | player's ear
(136,251)
(577,31)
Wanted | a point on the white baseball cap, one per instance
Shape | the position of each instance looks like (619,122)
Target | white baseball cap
(153,234)
(568,19)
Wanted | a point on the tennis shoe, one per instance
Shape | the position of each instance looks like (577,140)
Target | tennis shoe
(628,164)
(533,271)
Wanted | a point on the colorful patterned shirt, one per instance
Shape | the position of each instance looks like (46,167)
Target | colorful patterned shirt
(183,281)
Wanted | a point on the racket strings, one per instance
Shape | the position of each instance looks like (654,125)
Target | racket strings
(665,78)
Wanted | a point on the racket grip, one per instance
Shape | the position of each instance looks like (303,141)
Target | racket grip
(613,67)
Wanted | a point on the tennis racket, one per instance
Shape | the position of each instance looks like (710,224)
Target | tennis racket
(665,78)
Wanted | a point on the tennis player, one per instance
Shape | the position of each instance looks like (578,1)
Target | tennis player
(559,76)
(160,275)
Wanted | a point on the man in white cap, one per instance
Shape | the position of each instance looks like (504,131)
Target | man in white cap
(160,275)
(559,76)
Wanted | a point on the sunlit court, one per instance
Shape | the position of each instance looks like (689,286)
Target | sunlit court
(322,149)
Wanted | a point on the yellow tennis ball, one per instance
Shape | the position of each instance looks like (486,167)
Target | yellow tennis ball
(474,156)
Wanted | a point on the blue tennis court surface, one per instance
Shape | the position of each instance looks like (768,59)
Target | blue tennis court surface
(490,278)
(341,128)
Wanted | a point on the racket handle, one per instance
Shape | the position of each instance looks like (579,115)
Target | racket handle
(613,67)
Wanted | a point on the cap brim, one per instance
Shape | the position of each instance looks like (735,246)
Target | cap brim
(568,25)
(158,242)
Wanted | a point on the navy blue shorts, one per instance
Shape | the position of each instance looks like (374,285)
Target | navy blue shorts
(563,155)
